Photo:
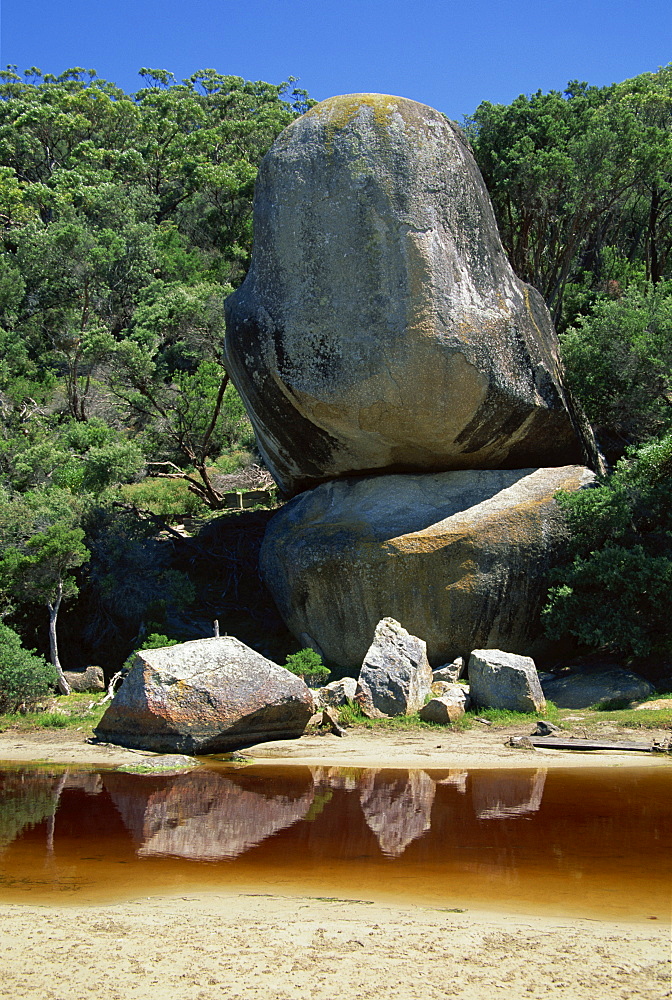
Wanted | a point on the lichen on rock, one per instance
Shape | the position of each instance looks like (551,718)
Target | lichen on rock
(380,327)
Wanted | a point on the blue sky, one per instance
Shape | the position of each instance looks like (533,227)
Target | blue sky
(451,54)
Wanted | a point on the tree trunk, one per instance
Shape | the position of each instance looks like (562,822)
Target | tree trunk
(54,606)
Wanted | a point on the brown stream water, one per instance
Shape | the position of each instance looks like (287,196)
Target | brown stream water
(593,842)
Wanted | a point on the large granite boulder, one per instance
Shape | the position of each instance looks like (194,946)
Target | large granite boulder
(396,677)
(498,679)
(460,558)
(380,326)
(203,697)
(596,686)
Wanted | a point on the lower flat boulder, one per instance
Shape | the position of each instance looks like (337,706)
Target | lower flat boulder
(460,558)
(504,680)
(204,697)
(596,686)
(396,677)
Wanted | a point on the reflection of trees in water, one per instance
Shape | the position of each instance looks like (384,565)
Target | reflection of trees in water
(25,801)
(29,797)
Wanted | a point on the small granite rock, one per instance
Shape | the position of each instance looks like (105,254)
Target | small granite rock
(545,728)
(450,671)
(442,709)
(504,680)
(91,679)
(396,676)
(336,693)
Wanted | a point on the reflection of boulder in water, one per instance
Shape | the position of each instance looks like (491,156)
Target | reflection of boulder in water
(397,807)
(205,815)
(497,796)
(336,778)
(456,778)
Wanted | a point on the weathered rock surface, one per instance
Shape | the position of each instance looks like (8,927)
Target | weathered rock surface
(460,558)
(336,693)
(504,680)
(396,676)
(447,707)
(592,687)
(91,679)
(380,326)
(450,672)
(206,696)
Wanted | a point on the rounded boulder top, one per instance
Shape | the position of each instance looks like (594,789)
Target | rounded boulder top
(380,327)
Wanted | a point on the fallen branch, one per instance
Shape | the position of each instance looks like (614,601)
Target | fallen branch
(115,681)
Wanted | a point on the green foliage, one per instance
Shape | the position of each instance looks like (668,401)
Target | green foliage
(24,677)
(573,174)
(157,641)
(308,664)
(614,591)
(618,361)
(53,720)
(25,800)
(168,498)
(506,717)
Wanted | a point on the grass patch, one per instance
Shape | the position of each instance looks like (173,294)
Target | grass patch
(350,715)
(156,768)
(72,711)
(504,717)
(52,720)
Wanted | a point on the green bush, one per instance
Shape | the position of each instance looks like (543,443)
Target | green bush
(618,362)
(169,498)
(614,592)
(153,641)
(308,664)
(24,677)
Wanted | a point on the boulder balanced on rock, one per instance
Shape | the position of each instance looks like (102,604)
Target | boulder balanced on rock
(380,327)
(203,697)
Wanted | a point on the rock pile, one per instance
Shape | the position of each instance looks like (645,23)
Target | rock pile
(381,334)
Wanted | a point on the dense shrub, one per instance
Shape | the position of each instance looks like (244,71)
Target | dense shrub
(308,664)
(614,593)
(618,361)
(24,677)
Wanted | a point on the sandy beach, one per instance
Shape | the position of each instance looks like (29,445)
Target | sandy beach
(241,946)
